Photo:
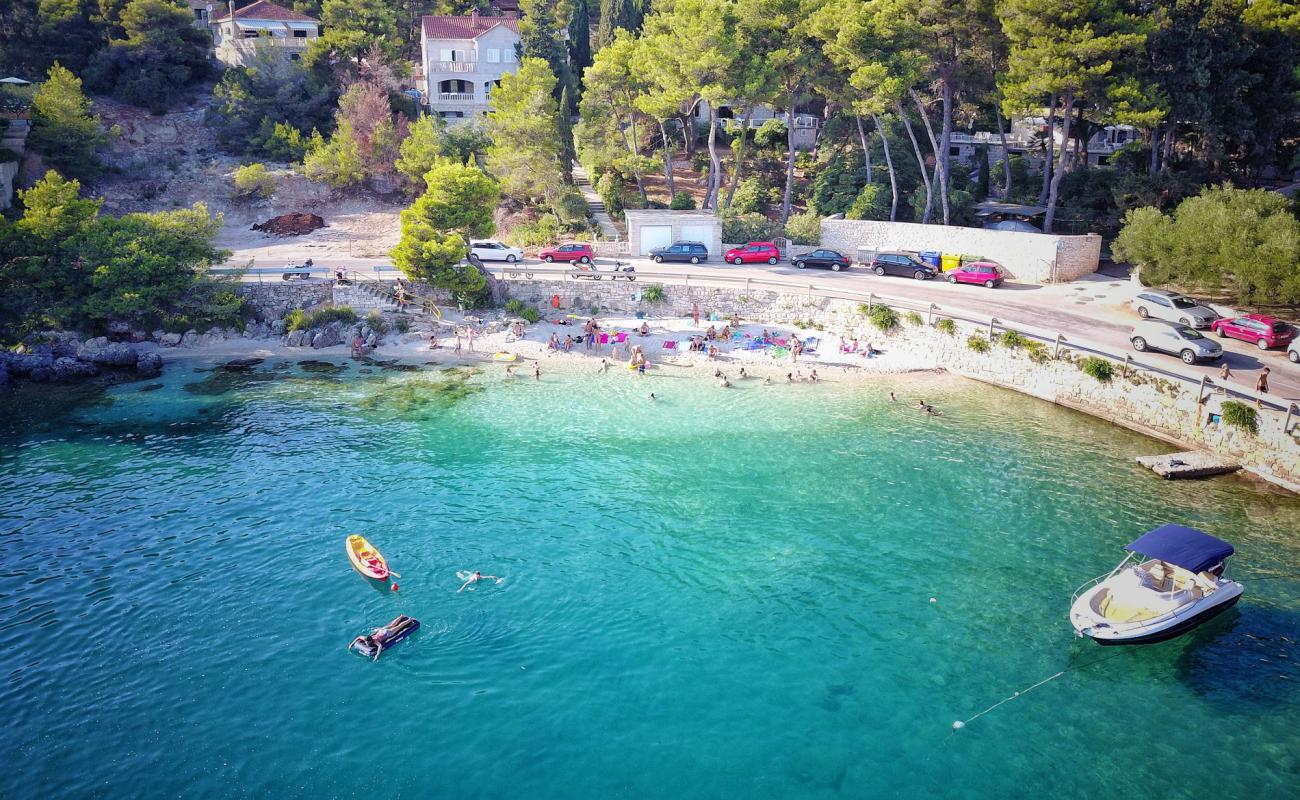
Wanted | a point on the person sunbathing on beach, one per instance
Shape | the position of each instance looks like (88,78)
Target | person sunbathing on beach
(553,344)
(645,329)
(475,578)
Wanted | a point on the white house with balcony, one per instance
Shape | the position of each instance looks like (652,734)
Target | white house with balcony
(464,59)
(240,33)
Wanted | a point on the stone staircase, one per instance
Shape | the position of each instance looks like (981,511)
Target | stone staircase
(366,296)
(595,206)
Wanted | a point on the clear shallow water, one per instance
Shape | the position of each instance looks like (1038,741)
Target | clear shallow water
(719,593)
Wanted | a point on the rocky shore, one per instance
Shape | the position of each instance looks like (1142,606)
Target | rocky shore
(63,358)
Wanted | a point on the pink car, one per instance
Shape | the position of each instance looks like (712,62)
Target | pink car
(982,272)
(753,253)
(570,251)
(1264,332)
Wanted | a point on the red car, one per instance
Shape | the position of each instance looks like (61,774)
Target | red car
(753,253)
(1263,331)
(985,273)
(570,251)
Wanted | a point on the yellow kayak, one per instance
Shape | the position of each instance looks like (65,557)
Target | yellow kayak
(503,356)
(365,558)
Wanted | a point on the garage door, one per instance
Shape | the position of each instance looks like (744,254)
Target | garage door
(699,233)
(653,236)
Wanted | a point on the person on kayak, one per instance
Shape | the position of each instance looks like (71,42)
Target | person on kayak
(475,578)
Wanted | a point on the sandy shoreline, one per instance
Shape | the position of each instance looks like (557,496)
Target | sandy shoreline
(827,358)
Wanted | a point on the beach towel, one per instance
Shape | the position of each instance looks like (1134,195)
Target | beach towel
(620,337)
(781,342)
(780,352)
(670,345)
(756,344)
(604,338)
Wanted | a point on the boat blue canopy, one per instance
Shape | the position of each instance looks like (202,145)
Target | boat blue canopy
(1193,550)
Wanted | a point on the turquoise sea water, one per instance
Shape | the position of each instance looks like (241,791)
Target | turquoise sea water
(719,593)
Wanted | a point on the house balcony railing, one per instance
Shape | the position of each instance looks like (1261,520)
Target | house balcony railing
(456,97)
(288,42)
(453,66)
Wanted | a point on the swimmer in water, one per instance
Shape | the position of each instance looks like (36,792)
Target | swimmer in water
(652,396)
(510,371)
(892,399)
(813,377)
(743,374)
(604,366)
(537,372)
(475,578)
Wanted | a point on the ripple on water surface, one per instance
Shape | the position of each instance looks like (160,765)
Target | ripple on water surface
(718,592)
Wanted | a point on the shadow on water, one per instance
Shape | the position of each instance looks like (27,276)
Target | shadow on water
(1249,656)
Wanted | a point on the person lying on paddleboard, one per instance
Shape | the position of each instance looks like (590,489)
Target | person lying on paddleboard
(475,578)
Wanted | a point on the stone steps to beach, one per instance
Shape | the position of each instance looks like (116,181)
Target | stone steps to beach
(1191,464)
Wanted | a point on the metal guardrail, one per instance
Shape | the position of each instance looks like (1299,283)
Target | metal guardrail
(1055,338)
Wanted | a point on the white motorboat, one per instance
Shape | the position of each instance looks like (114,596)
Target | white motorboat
(1170,582)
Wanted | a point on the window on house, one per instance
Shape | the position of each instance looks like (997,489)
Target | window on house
(493,55)
(954,151)
(508,55)
(444,55)
(201,14)
(300,34)
(295,57)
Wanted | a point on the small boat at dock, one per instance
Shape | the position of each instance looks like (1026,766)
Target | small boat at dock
(365,558)
(1170,582)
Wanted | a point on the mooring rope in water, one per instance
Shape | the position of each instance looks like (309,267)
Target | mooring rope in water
(959,724)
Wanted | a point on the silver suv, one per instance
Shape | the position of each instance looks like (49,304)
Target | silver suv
(1173,307)
(1175,339)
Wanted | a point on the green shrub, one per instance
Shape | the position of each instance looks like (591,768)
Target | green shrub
(402,324)
(571,207)
(654,293)
(771,135)
(804,228)
(375,319)
(914,318)
(544,230)
(299,320)
(748,227)
(1099,368)
(515,308)
(978,343)
(872,202)
(864,309)
(946,326)
(1241,415)
(883,317)
(296,320)
(1012,340)
(252,180)
(682,202)
(530,314)
(1037,351)
(610,188)
(750,198)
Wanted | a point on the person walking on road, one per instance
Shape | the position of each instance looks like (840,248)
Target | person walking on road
(1261,388)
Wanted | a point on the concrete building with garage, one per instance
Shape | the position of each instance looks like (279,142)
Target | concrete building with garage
(653,227)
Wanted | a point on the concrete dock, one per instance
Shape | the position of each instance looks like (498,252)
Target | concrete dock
(1192,464)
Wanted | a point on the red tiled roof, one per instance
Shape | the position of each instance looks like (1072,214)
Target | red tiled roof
(470,27)
(264,9)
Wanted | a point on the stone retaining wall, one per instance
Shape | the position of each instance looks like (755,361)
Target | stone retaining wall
(271,301)
(1028,257)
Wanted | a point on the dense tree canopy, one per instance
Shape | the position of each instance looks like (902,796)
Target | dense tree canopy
(458,204)
(64,265)
(63,128)
(1244,241)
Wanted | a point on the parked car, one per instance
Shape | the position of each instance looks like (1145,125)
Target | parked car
(897,263)
(753,253)
(490,250)
(1293,352)
(571,251)
(1173,307)
(833,259)
(1174,338)
(985,273)
(693,252)
(1262,331)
